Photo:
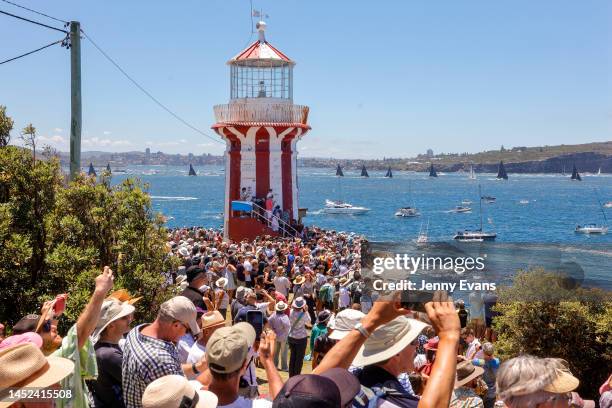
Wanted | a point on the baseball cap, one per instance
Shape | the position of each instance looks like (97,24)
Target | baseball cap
(183,310)
(334,388)
(172,391)
(228,347)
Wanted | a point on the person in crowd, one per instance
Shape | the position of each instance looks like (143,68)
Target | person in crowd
(337,328)
(24,367)
(331,389)
(222,298)
(76,345)
(528,381)
(326,294)
(319,329)
(431,347)
(114,322)
(175,391)
(281,283)
(196,278)
(477,314)
(240,279)
(210,321)
(239,302)
(249,276)
(227,354)
(464,395)
(150,349)
(251,304)
(490,364)
(462,312)
(229,274)
(298,336)
(344,295)
(384,344)
(473,344)
(279,323)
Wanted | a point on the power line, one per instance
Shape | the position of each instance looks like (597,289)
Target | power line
(34,11)
(34,22)
(31,52)
(147,93)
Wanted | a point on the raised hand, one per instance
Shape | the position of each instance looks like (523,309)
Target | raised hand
(104,281)
(443,316)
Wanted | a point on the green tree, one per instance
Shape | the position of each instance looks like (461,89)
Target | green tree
(6,125)
(541,314)
(55,237)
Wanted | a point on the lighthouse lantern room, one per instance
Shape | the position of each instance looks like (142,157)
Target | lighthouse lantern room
(261,127)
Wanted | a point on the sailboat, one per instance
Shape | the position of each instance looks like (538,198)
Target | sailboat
(478,235)
(423,238)
(192,172)
(339,206)
(389,174)
(501,172)
(472,174)
(599,172)
(364,172)
(563,171)
(432,171)
(594,228)
(108,167)
(575,174)
(339,172)
(92,171)
(408,211)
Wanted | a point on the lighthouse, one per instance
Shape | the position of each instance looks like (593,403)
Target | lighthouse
(261,127)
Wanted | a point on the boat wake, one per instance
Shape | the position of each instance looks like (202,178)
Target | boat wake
(167,198)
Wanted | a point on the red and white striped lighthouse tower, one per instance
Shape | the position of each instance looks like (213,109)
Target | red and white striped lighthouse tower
(261,127)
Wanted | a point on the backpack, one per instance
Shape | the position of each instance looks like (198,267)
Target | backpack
(326,293)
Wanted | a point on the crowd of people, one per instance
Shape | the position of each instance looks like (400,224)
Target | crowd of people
(278,305)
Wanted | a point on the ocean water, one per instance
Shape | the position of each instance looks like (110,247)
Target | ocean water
(540,233)
(556,204)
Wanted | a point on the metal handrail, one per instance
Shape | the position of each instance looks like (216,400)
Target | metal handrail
(269,221)
(264,112)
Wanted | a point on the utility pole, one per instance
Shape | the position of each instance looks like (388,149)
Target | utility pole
(75,99)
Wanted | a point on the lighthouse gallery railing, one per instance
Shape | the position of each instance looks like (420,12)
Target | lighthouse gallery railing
(265,112)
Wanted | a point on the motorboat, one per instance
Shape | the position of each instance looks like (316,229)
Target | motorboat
(591,229)
(460,209)
(407,212)
(608,204)
(466,202)
(474,236)
(340,207)
(524,202)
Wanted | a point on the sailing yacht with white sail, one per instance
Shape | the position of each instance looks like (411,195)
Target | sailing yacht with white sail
(478,235)
(472,174)
(408,211)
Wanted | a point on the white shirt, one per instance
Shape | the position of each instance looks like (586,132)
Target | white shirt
(282,285)
(184,345)
(250,375)
(344,299)
(248,268)
(224,301)
(242,402)
(196,353)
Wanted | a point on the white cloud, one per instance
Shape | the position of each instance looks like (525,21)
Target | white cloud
(98,142)
(205,145)
(58,130)
(107,132)
(183,140)
(56,139)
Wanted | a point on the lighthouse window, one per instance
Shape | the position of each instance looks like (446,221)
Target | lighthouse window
(261,79)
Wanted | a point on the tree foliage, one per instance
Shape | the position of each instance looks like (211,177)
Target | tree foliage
(6,125)
(543,316)
(55,238)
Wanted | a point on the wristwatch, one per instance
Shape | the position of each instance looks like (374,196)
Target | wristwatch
(193,367)
(359,327)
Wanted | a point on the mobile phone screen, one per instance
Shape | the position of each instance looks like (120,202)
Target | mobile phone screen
(255,319)
(415,299)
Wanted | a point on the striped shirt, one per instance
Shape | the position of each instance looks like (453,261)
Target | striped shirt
(145,359)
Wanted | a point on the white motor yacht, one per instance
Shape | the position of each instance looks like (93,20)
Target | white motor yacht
(339,207)
(591,229)
(460,209)
(407,212)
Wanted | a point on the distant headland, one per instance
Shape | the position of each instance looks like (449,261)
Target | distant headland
(588,157)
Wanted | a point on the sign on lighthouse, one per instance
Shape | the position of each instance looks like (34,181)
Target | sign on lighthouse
(261,127)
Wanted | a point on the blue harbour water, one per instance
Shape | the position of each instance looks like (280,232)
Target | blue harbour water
(556,205)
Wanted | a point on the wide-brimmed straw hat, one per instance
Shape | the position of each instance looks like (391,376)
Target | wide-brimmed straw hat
(24,365)
(171,390)
(299,280)
(281,306)
(221,283)
(388,340)
(112,310)
(212,319)
(466,372)
(344,322)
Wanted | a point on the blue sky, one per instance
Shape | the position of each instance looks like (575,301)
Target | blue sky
(387,78)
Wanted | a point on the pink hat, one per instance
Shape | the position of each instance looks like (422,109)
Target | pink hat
(29,337)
